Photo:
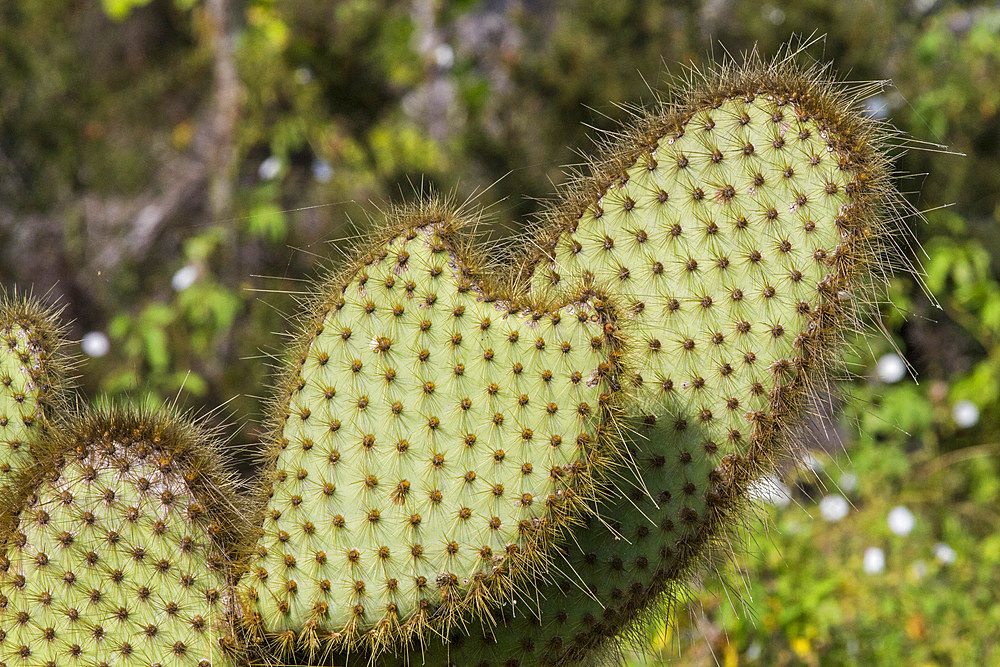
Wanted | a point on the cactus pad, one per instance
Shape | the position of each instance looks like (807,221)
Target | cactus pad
(436,436)
(29,341)
(114,555)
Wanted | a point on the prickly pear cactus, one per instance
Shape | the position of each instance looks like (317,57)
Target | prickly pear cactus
(435,435)
(115,550)
(736,227)
(29,369)
(467,474)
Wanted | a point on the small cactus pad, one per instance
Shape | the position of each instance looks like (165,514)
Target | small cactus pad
(735,231)
(114,557)
(28,342)
(436,437)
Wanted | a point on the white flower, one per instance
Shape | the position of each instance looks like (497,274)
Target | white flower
(919,569)
(877,107)
(873,561)
(965,414)
(444,56)
(95,344)
(945,553)
(812,462)
(185,277)
(901,520)
(322,170)
(834,507)
(890,368)
(770,490)
(848,482)
(269,168)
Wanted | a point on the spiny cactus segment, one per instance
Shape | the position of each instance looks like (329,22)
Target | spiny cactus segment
(736,228)
(30,367)
(435,436)
(118,549)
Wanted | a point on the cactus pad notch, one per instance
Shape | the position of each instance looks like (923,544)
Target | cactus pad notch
(119,547)
(742,224)
(434,436)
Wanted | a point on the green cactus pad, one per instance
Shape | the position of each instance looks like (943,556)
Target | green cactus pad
(29,343)
(114,556)
(736,229)
(435,437)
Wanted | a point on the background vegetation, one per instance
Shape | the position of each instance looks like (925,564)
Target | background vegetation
(168,166)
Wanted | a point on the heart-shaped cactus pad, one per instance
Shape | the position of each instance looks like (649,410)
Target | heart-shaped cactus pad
(436,434)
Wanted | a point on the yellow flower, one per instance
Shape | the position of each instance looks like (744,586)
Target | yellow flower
(802,647)
(730,656)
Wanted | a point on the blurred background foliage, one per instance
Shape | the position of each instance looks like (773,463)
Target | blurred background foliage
(171,169)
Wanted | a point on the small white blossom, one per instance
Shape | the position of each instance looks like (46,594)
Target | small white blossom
(322,170)
(877,107)
(834,507)
(901,520)
(873,561)
(770,490)
(444,56)
(812,462)
(848,482)
(95,344)
(945,553)
(890,368)
(965,414)
(269,168)
(185,277)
